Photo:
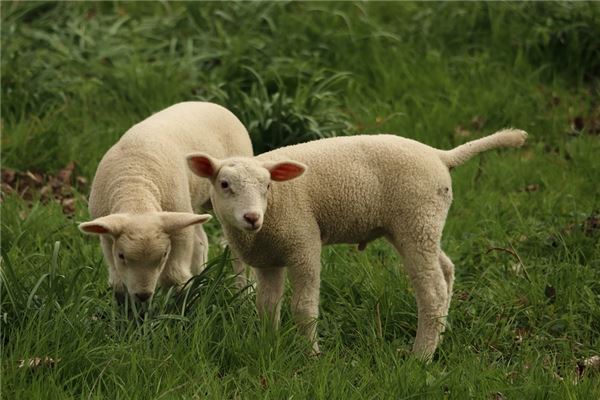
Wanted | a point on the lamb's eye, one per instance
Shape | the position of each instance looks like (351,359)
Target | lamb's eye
(121,256)
(224,184)
(268,186)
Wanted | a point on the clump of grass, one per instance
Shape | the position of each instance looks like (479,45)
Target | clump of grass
(281,111)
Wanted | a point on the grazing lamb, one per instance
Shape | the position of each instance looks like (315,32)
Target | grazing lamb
(352,190)
(143,197)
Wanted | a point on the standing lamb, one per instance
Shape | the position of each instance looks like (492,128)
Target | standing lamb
(144,197)
(353,190)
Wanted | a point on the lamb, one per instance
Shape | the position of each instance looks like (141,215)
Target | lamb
(143,197)
(277,210)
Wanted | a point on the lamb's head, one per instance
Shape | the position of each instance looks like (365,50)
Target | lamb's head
(140,246)
(240,186)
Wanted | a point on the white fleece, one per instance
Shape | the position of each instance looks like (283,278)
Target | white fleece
(277,210)
(143,196)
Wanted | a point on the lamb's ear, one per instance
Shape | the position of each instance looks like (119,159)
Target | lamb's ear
(109,225)
(174,221)
(203,165)
(285,170)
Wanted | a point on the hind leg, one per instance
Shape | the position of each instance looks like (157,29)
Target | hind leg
(422,263)
(448,270)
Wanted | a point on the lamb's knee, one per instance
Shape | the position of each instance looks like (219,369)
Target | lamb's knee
(432,300)
(269,291)
(175,275)
(243,276)
(448,270)
(431,290)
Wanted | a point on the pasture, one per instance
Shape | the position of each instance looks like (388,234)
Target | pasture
(523,231)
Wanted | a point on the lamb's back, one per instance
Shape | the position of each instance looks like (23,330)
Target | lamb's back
(353,184)
(155,150)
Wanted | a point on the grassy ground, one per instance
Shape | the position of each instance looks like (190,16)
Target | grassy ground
(75,76)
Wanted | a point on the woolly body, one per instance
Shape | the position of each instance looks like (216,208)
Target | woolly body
(354,190)
(144,175)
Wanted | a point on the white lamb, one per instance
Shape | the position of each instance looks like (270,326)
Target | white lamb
(143,197)
(352,190)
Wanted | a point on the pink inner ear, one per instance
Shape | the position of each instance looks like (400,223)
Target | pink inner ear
(285,171)
(95,229)
(202,166)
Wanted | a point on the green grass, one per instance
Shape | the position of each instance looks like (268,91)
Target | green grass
(75,76)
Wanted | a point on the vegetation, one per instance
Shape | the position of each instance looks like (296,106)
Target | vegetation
(523,231)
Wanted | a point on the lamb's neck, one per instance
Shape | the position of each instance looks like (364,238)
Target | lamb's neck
(134,195)
(238,238)
(260,249)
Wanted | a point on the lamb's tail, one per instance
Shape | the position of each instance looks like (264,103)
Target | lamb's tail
(504,138)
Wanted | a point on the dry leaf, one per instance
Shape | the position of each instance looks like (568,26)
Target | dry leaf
(37,178)
(590,364)
(462,133)
(64,175)
(68,206)
(520,334)
(477,122)
(37,362)
(532,187)
(81,181)
(591,225)
(8,176)
(516,267)
(263,382)
(29,185)
(462,296)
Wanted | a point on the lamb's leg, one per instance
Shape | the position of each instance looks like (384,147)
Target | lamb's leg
(200,256)
(243,276)
(448,270)
(239,269)
(431,291)
(269,291)
(178,266)
(305,281)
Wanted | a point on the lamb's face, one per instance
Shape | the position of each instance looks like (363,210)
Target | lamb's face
(141,246)
(239,194)
(139,256)
(240,186)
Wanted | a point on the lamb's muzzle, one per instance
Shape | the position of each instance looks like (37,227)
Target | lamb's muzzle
(253,219)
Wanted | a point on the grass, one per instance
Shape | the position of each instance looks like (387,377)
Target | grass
(75,76)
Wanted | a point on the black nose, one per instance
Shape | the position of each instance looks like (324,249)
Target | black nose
(251,217)
(143,296)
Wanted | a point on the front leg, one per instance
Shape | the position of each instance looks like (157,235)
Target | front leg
(269,291)
(305,278)
(244,277)
(200,252)
(178,268)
